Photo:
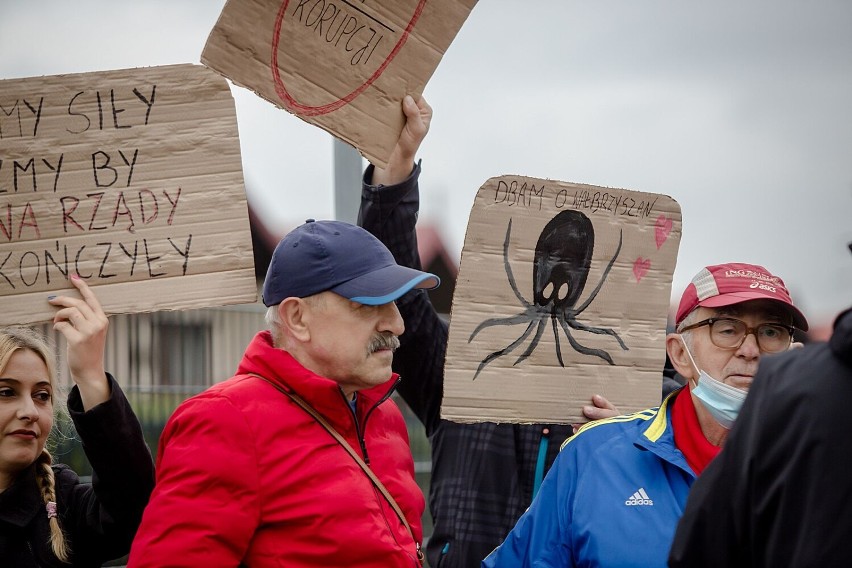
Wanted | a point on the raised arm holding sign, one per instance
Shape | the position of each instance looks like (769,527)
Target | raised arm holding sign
(343,66)
(483,474)
(130,179)
(48,516)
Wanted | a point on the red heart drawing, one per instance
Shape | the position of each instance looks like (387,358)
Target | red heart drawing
(662,228)
(641,267)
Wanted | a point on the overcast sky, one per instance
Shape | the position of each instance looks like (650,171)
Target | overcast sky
(741,111)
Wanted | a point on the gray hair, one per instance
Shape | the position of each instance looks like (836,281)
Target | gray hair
(691,318)
(273,318)
(273,324)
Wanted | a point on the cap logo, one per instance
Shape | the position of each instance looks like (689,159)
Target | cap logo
(753,275)
(762,286)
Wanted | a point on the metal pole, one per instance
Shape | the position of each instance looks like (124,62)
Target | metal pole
(348,165)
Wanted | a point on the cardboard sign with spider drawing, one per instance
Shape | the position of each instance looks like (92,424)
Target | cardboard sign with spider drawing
(563,292)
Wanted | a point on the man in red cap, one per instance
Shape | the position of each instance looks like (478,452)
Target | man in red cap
(615,493)
(779,494)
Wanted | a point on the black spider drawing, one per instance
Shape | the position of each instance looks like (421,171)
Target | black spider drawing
(561,264)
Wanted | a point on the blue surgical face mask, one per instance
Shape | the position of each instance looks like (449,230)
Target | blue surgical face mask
(722,401)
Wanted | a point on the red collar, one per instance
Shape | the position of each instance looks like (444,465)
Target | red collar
(688,436)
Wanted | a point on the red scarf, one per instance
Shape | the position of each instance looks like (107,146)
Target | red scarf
(688,436)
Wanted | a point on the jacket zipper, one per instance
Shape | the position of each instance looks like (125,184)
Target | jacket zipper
(361,428)
(359,431)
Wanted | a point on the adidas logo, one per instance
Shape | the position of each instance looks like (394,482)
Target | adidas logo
(639,498)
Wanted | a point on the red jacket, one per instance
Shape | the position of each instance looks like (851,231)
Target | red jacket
(245,475)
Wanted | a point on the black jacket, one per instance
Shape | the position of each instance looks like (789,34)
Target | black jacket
(99,519)
(779,493)
(483,474)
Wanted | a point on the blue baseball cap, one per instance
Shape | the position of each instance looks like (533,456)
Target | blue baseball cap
(342,258)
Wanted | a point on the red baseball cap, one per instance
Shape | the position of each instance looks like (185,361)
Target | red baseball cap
(728,284)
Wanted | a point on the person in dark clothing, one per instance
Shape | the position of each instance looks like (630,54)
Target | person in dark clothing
(779,493)
(47,516)
(484,475)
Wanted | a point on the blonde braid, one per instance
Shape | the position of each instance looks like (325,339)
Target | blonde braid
(46,483)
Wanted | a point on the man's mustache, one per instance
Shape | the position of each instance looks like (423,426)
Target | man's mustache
(383,341)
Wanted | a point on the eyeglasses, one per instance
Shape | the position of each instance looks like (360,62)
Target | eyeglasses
(730,333)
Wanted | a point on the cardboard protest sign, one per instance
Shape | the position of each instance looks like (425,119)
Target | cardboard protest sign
(131,179)
(343,65)
(563,291)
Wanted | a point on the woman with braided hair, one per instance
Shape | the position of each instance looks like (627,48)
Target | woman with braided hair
(48,517)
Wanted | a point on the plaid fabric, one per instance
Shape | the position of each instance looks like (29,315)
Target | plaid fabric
(482,474)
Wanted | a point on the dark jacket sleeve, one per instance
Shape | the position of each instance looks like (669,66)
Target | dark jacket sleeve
(390,213)
(102,517)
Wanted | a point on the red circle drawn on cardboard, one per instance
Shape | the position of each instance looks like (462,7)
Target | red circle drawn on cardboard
(306,110)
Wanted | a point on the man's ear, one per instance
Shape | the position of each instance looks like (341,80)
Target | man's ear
(678,356)
(293,313)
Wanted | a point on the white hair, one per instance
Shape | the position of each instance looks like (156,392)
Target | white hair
(691,318)
(274,324)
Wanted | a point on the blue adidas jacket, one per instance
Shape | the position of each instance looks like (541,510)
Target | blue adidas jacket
(612,498)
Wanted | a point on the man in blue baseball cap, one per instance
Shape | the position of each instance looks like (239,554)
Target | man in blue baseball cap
(300,459)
